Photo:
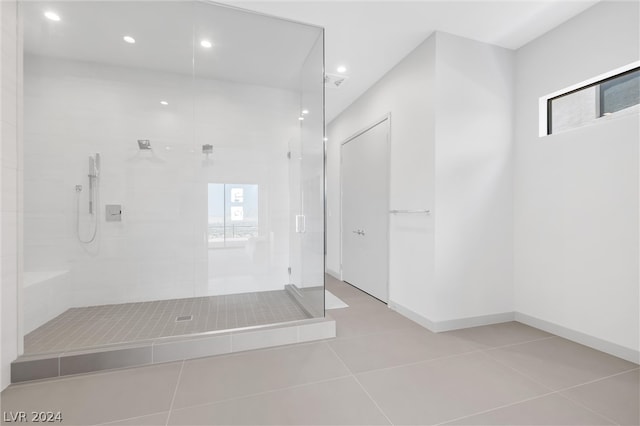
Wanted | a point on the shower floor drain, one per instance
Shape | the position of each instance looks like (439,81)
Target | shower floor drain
(184,318)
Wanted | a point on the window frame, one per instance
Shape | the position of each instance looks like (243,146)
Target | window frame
(545,116)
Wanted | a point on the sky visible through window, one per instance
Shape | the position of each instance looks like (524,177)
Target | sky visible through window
(232,213)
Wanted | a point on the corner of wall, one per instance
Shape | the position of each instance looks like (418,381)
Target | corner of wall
(473,177)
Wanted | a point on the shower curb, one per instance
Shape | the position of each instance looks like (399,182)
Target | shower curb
(47,366)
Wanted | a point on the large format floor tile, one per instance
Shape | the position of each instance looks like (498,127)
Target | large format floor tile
(335,402)
(617,397)
(495,335)
(549,410)
(382,368)
(99,398)
(344,290)
(436,391)
(214,379)
(559,363)
(361,320)
(380,350)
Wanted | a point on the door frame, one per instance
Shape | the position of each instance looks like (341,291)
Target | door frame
(387,118)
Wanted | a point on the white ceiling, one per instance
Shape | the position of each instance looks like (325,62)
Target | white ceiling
(369,37)
(247,47)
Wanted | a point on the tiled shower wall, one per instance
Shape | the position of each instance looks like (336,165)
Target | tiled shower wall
(10,176)
(159,250)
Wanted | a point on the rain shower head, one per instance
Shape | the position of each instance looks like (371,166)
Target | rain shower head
(144,144)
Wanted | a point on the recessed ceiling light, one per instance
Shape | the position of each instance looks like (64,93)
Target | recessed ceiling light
(342,69)
(164,103)
(301,118)
(305,111)
(52,16)
(129,39)
(206,43)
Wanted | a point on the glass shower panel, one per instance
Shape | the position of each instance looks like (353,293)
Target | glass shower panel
(173,171)
(307,185)
(108,113)
(249,111)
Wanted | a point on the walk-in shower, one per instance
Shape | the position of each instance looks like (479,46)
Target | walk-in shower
(199,171)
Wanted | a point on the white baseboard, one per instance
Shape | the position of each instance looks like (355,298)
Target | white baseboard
(454,324)
(582,338)
(408,313)
(569,334)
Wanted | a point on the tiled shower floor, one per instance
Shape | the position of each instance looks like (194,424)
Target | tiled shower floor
(81,328)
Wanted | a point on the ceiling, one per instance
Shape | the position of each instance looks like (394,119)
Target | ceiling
(368,37)
(247,47)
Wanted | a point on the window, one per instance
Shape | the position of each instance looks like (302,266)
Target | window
(617,94)
(233,214)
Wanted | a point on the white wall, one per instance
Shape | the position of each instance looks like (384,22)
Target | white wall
(408,93)
(576,192)
(11,203)
(74,109)
(474,174)
(451,103)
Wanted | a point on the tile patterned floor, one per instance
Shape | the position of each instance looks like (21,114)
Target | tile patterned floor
(382,369)
(80,328)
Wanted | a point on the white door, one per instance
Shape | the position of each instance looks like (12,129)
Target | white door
(365,210)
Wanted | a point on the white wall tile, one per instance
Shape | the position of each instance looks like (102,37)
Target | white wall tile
(9,145)
(9,190)
(162,192)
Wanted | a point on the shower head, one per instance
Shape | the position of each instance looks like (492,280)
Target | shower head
(144,144)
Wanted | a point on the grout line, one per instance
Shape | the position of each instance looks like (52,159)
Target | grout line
(175,392)
(131,418)
(549,387)
(562,394)
(520,343)
(359,384)
(553,392)
(424,361)
(496,408)
(588,408)
(521,373)
(251,395)
(471,351)
(559,391)
(598,379)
